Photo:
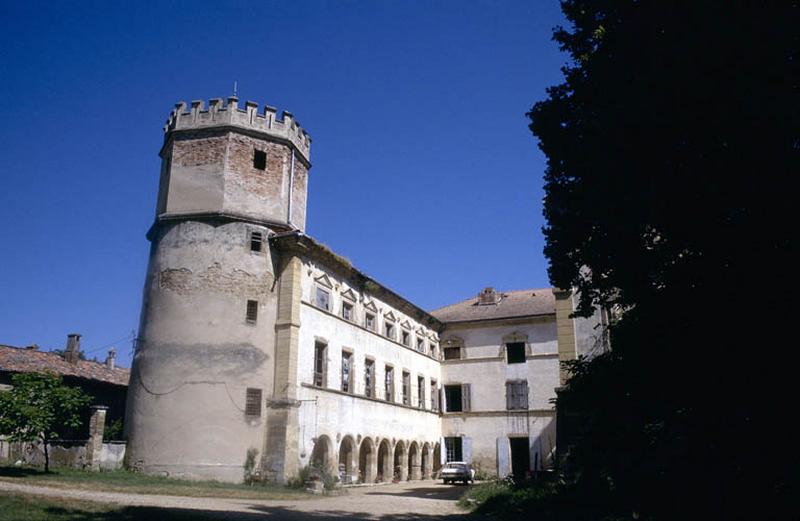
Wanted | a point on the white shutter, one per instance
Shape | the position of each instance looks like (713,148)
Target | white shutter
(502,457)
(466,405)
(466,449)
(442,452)
(536,454)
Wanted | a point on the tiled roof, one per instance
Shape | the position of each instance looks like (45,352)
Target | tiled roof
(21,360)
(519,303)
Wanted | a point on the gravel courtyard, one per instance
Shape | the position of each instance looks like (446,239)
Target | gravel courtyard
(391,502)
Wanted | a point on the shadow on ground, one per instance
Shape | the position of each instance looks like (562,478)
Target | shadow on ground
(260,513)
(450,493)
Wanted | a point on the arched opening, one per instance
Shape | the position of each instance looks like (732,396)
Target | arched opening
(384,462)
(426,460)
(348,473)
(321,455)
(437,459)
(366,461)
(414,467)
(400,467)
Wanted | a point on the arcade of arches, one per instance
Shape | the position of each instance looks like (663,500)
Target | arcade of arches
(373,460)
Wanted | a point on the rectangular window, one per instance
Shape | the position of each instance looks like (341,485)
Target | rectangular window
(457,398)
(433,350)
(453,449)
(517,395)
(389,384)
(421,392)
(406,388)
(252,311)
(252,402)
(256,241)
(369,321)
(405,337)
(347,311)
(388,330)
(421,345)
(259,160)
(434,397)
(347,363)
(320,353)
(515,351)
(369,378)
(452,353)
(323,299)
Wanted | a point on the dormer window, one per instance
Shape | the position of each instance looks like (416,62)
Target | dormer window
(323,299)
(347,311)
(420,345)
(405,338)
(388,329)
(369,321)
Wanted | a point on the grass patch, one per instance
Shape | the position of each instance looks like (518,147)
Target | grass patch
(40,508)
(543,501)
(133,483)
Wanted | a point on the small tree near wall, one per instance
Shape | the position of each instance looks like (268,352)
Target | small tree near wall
(38,405)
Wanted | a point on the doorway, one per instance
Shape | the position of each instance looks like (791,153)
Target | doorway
(520,457)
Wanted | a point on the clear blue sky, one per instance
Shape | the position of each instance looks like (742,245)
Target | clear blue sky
(424,172)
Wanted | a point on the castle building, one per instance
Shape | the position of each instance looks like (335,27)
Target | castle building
(256,340)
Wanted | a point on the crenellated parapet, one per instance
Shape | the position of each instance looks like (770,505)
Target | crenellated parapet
(197,116)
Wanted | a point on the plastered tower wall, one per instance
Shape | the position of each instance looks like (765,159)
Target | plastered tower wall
(200,353)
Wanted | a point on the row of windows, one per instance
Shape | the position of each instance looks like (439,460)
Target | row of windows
(515,352)
(457,398)
(322,300)
(372,389)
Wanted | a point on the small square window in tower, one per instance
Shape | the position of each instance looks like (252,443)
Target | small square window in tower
(259,160)
(515,352)
(252,312)
(256,241)
(252,403)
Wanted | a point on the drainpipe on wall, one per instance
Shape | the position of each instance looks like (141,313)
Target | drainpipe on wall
(291,190)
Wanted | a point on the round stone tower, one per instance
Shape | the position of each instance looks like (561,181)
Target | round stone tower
(204,357)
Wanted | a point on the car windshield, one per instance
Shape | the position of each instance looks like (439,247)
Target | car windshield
(455,466)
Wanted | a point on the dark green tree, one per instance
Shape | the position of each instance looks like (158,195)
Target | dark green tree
(37,406)
(671,146)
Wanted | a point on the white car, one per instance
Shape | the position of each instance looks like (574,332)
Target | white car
(457,471)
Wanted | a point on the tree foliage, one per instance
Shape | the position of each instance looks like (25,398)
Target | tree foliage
(37,406)
(671,146)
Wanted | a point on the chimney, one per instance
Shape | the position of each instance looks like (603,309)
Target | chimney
(487,296)
(72,353)
(111,358)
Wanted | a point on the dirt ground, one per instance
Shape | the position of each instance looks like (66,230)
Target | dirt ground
(391,502)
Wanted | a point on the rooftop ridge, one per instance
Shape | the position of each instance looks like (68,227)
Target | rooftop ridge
(196,116)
